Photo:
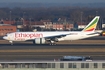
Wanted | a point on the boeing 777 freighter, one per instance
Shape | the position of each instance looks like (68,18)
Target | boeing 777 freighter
(54,36)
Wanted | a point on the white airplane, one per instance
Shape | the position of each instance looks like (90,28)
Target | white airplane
(54,36)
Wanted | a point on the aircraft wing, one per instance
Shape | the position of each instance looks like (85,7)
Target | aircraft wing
(52,37)
(57,36)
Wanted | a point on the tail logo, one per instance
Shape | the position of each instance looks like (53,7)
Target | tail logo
(92,25)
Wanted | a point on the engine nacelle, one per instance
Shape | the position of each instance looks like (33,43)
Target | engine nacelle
(39,41)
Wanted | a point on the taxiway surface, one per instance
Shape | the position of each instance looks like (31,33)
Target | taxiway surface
(46,52)
(27,51)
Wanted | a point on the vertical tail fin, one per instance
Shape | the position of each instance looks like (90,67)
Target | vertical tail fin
(92,25)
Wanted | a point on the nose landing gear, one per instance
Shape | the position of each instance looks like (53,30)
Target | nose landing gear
(11,42)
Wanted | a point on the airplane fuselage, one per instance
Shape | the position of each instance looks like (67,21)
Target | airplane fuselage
(24,36)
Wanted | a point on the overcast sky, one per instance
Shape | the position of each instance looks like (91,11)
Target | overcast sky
(54,1)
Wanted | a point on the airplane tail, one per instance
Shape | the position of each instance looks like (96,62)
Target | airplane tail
(92,25)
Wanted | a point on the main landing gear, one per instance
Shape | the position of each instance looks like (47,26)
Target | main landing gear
(52,42)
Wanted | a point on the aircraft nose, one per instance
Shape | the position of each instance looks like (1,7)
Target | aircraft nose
(5,37)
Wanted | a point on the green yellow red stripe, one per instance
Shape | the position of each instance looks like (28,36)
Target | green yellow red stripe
(92,26)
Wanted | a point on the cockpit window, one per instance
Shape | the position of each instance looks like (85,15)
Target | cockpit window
(6,35)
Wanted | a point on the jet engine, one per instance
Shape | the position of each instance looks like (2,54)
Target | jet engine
(39,41)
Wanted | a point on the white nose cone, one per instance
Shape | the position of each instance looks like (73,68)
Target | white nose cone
(5,37)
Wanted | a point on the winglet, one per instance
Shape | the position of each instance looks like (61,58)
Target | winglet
(92,25)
